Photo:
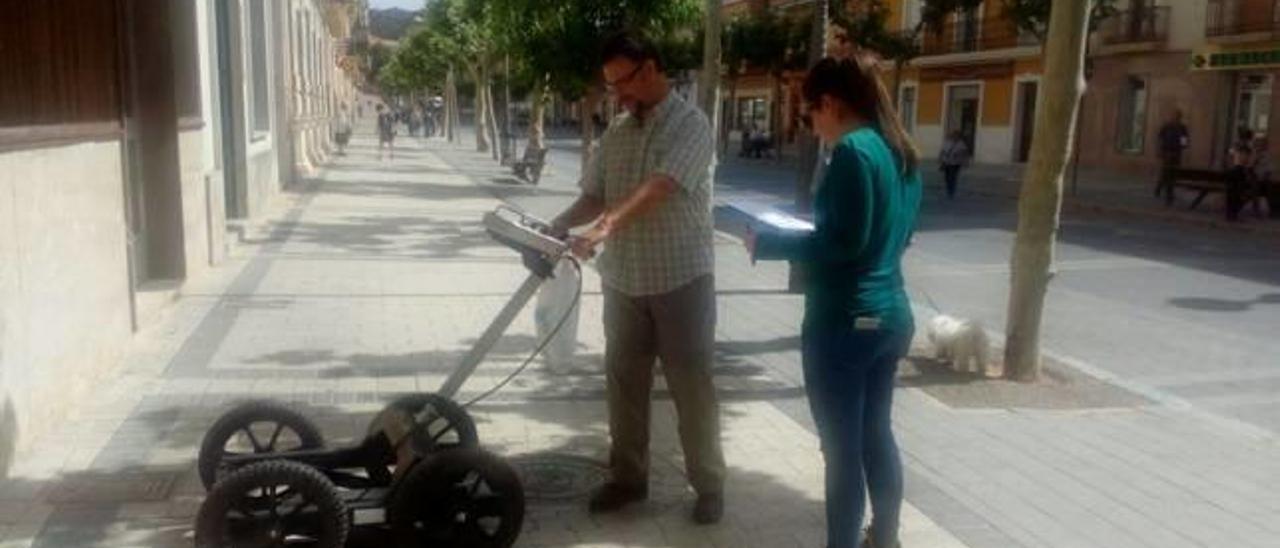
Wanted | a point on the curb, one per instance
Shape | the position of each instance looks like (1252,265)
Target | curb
(1076,206)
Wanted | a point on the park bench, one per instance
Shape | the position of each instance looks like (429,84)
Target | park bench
(756,147)
(1210,181)
(529,168)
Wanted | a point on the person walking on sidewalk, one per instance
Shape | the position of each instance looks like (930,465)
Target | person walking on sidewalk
(1240,162)
(1174,139)
(342,129)
(954,155)
(647,193)
(858,322)
(386,132)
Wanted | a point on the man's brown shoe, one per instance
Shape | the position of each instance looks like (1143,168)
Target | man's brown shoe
(614,496)
(708,509)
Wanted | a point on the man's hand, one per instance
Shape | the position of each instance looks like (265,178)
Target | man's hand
(557,230)
(584,246)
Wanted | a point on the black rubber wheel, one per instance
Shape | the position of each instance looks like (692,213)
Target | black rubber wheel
(254,427)
(461,498)
(273,503)
(439,423)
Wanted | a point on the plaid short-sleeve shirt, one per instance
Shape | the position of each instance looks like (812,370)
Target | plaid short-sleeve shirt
(672,245)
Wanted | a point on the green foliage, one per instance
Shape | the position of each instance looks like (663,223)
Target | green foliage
(866,24)
(537,38)
(417,65)
(391,24)
(769,41)
(563,38)
(1033,15)
(379,55)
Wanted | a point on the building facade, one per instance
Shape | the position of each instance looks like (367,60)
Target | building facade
(978,75)
(131,133)
(1216,61)
(753,99)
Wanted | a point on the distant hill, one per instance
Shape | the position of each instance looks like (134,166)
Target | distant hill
(390,24)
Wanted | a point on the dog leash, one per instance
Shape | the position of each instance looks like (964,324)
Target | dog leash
(929,300)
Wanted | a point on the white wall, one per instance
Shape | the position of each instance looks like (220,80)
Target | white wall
(264,177)
(994,144)
(1186,23)
(929,139)
(63,279)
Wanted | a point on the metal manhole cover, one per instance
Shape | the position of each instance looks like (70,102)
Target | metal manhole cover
(124,488)
(559,477)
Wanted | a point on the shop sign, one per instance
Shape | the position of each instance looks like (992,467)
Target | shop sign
(1235,60)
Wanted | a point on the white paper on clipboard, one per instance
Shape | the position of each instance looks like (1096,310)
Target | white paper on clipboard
(768,217)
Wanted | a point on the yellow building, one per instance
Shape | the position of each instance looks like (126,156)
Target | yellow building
(979,75)
(750,101)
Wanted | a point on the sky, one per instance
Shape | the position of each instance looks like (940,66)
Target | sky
(402,4)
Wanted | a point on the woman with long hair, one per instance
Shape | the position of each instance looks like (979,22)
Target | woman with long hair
(858,322)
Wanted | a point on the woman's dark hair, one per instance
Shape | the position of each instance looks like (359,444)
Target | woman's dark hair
(858,85)
(631,45)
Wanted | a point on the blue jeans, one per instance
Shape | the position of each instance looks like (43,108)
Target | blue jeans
(849,375)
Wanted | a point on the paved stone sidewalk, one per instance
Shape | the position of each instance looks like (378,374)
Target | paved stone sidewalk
(372,281)
(1082,459)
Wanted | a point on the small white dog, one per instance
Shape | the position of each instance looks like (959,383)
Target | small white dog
(962,343)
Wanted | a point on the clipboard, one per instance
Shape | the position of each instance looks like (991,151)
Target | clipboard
(766,217)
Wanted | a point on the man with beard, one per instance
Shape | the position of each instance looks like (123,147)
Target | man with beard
(647,196)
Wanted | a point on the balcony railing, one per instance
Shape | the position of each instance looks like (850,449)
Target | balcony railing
(978,35)
(1237,17)
(1136,26)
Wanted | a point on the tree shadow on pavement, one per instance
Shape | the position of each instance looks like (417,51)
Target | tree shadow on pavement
(1227,253)
(401,236)
(1208,304)
(103,506)
(762,510)
(1059,387)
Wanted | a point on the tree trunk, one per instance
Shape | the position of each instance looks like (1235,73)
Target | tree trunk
(491,116)
(508,134)
(731,115)
(491,104)
(775,122)
(450,104)
(537,129)
(1040,204)
(810,149)
(481,112)
(456,121)
(589,105)
(709,87)
(809,146)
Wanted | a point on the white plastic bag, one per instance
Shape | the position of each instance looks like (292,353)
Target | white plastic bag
(555,297)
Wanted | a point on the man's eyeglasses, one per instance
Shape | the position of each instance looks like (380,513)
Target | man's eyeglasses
(625,79)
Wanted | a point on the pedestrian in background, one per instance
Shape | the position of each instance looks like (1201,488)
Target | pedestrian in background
(1239,162)
(1263,187)
(415,121)
(647,194)
(857,321)
(386,132)
(342,129)
(1174,139)
(954,156)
